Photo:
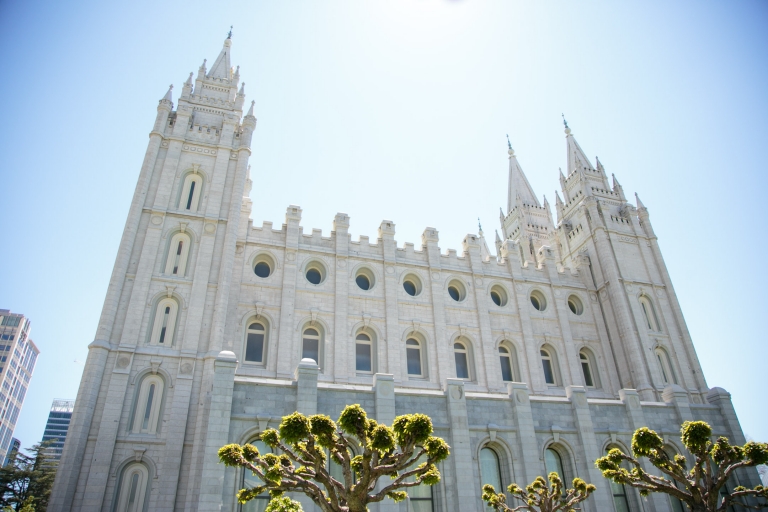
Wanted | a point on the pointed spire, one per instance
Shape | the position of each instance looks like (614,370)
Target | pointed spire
(546,203)
(479,227)
(221,68)
(250,110)
(640,205)
(229,36)
(501,213)
(565,123)
(189,79)
(518,184)
(168,96)
(577,159)
(509,144)
(615,181)
(599,165)
(558,201)
(242,90)
(498,238)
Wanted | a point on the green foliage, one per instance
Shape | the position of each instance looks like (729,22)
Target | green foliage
(538,496)
(26,481)
(699,486)
(365,450)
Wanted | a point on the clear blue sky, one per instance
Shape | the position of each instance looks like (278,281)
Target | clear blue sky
(394,110)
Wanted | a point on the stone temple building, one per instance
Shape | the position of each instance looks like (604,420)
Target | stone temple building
(539,358)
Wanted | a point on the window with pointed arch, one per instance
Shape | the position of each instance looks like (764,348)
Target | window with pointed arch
(365,355)
(619,491)
(490,469)
(589,368)
(132,488)
(164,323)
(147,409)
(249,480)
(178,255)
(510,369)
(190,192)
(549,366)
(312,345)
(256,342)
(665,365)
(462,358)
(414,354)
(649,313)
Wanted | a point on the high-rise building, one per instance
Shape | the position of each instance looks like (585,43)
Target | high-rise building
(537,358)
(57,426)
(13,449)
(18,355)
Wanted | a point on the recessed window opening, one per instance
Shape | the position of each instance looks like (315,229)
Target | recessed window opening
(420,496)
(178,255)
(363,353)
(254,343)
(413,356)
(177,259)
(250,480)
(538,301)
(586,368)
(412,285)
(314,276)
(164,324)
(508,359)
(164,328)
(499,296)
(575,305)
(553,463)
(133,488)
(490,470)
(549,370)
(667,371)
(262,269)
(409,288)
(191,195)
(456,290)
(147,408)
(461,358)
(363,282)
(651,321)
(310,348)
(620,501)
(190,192)
(676,504)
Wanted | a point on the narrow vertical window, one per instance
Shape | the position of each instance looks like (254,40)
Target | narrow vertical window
(165,324)
(146,411)
(413,355)
(586,369)
(620,501)
(133,488)
(665,365)
(420,496)
(148,408)
(649,313)
(254,343)
(675,504)
(546,362)
(363,353)
(178,258)
(191,195)
(250,480)
(506,364)
(553,463)
(462,362)
(178,255)
(310,348)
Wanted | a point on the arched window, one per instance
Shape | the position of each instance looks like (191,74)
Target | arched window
(490,470)
(190,192)
(589,368)
(255,343)
(259,503)
(619,491)
(675,504)
(510,371)
(364,353)
(311,345)
(553,463)
(149,399)
(651,321)
(164,325)
(461,356)
(413,354)
(133,488)
(549,365)
(667,371)
(178,254)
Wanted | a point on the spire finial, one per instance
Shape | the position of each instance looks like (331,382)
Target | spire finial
(250,110)
(509,145)
(229,36)
(564,121)
(479,226)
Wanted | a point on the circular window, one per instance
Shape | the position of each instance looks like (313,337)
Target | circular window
(412,285)
(499,296)
(538,300)
(262,269)
(315,272)
(364,279)
(575,305)
(263,265)
(456,290)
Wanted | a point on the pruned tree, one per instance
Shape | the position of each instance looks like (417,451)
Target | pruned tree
(539,497)
(302,463)
(698,487)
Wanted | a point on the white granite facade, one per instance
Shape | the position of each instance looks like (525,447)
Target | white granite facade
(168,381)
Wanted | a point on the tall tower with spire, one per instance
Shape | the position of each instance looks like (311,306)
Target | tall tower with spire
(160,335)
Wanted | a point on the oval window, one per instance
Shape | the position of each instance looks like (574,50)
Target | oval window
(262,269)
(409,288)
(499,296)
(575,305)
(538,301)
(454,293)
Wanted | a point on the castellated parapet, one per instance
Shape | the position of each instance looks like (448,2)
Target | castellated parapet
(537,356)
